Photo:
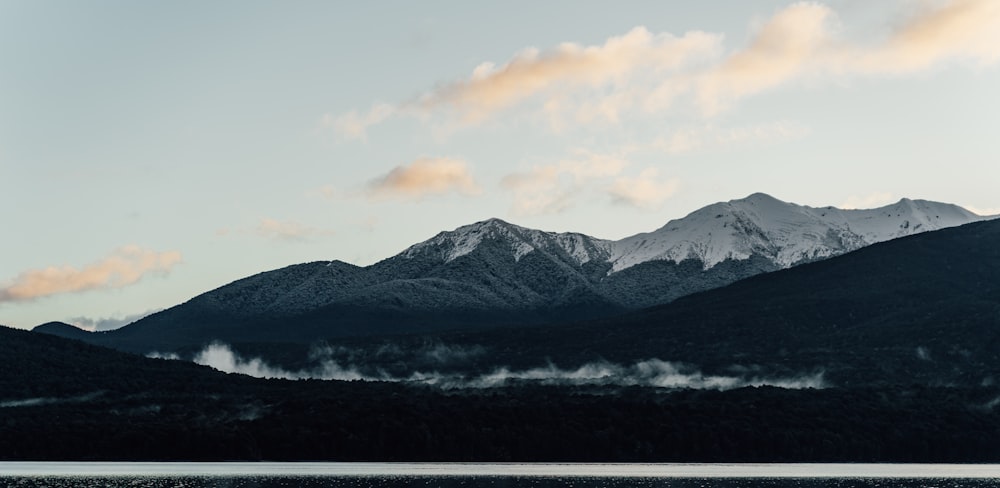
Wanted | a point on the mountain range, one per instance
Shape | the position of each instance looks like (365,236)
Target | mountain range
(884,353)
(493,273)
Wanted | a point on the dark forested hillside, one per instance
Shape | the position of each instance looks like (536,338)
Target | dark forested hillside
(923,310)
(904,336)
(65,400)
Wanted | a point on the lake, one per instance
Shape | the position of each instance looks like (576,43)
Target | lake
(386,475)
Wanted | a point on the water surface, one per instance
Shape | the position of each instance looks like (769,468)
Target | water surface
(391,475)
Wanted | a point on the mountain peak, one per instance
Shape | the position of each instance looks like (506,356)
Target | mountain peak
(784,233)
(62,329)
(758,197)
(518,241)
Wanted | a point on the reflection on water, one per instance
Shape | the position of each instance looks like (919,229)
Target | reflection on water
(455,475)
(481,481)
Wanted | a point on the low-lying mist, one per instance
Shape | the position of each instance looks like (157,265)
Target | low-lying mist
(650,372)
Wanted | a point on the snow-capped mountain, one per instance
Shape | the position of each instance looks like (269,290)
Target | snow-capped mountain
(759,225)
(496,273)
(784,233)
(579,248)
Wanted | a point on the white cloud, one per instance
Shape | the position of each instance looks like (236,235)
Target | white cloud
(125,266)
(354,125)
(555,187)
(695,138)
(651,372)
(222,358)
(107,323)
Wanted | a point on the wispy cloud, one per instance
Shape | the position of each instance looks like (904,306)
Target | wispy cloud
(222,358)
(984,211)
(706,136)
(354,125)
(802,41)
(284,230)
(107,323)
(568,66)
(645,72)
(647,190)
(123,267)
(939,31)
(783,48)
(288,230)
(555,187)
(423,177)
(649,373)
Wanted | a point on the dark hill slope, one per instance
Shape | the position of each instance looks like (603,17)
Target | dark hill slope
(63,329)
(41,366)
(920,309)
(64,400)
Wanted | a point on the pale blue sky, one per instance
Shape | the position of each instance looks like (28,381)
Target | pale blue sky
(153,151)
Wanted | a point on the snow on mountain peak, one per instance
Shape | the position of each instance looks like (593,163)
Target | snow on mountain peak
(449,246)
(785,233)
(758,225)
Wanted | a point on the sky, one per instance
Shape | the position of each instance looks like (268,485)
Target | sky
(153,151)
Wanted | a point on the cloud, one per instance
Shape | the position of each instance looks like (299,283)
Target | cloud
(123,267)
(107,323)
(423,177)
(555,187)
(641,72)
(38,401)
(644,191)
(354,125)
(968,29)
(651,372)
(287,230)
(801,41)
(172,356)
(690,139)
(568,66)
(872,200)
(985,212)
(221,357)
(783,48)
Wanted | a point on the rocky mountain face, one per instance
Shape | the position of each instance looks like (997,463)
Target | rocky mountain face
(496,273)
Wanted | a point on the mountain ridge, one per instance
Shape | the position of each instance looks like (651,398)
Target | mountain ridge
(496,273)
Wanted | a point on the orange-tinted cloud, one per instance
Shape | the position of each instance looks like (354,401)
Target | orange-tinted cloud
(531,72)
(123,267)
(784,48)
(968,29)
(425,176)
(645,72)
(644,191)
(801,41)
